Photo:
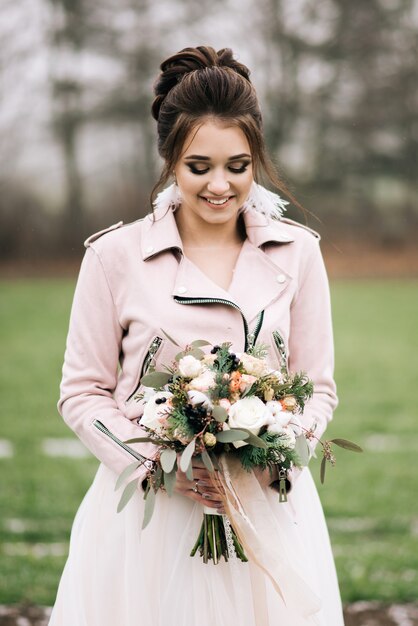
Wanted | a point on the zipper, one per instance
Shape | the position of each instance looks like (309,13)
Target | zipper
(279,343)
(100,426)
(250,337)
(152,351)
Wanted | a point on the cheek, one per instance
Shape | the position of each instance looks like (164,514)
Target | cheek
(246,184)
(188,183)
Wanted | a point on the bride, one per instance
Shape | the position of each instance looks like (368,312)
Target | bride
(216,260)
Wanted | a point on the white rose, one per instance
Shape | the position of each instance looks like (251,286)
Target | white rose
(189,366)
(203,382)
(252,365)
(250,413)
(197,397)
(155,415)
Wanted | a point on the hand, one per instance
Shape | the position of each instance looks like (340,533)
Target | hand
(201,488)
(267,476)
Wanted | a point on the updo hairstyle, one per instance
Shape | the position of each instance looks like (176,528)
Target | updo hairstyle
(197,84)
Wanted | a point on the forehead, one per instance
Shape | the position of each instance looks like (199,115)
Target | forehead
(216,139)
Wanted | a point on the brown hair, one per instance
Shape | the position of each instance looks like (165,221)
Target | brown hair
(199,83)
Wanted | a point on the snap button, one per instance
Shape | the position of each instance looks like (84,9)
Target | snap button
(182,289)
(281,278)
(150,249)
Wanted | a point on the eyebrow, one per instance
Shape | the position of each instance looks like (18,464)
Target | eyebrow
(199,157)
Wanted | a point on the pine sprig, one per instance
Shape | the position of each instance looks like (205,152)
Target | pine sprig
(259,350)
(275,453)
(180,425)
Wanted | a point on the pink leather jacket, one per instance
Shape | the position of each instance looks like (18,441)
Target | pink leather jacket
(135,281)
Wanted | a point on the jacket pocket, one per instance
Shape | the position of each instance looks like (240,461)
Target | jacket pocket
(103,429)
(147,363)
(281,349)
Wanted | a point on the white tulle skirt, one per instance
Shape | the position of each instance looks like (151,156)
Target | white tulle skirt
(118,575)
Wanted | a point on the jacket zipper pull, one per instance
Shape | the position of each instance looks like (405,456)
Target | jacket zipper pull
(250,341)
(282,485)
(148,365)
(252,336)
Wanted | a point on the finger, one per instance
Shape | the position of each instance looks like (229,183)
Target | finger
(213,504)
(206,497)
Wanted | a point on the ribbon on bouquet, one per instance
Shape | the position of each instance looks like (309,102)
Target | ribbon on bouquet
(259,532)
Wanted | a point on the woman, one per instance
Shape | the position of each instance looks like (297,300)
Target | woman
(206,264)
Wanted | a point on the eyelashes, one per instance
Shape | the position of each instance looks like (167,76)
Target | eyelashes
(233,170)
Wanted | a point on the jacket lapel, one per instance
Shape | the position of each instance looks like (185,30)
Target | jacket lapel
(257,281)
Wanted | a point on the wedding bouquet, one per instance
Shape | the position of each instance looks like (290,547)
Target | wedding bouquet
(208,404)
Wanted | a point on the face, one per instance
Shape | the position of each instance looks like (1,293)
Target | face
(214,173)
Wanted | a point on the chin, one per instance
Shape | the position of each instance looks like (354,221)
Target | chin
(220,218)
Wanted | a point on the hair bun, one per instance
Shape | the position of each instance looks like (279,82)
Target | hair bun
(189,60)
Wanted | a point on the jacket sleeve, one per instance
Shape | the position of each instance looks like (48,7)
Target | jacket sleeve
(311,346)
(90,371)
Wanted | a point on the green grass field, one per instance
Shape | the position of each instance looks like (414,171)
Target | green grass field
(370,500)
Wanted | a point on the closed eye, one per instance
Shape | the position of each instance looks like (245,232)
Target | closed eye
(234,170)
(238,170)
(194,169)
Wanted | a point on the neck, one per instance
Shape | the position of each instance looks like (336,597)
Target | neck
(196,234)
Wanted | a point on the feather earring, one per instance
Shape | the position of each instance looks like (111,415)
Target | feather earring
(168,198)
(265,201)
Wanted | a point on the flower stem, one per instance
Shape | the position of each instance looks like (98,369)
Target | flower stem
(212,543)
(205,539)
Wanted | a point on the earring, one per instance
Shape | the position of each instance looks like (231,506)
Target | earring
(265,201)
(168,198)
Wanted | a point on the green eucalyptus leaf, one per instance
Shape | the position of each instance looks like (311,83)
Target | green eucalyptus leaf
(219,413)
(158,477)
(187,454)
(160,442)
(139,440)
(197,353)
(170,338)
(348,445)
(255,441)
(126,473)
(207,460)
(215,461)
(199,343)
(234,434)
(168,458)
(323,467)
(155,379)
(180,355)
(127,494)
(149,507)
(189,472)
(302,449)
(170,481)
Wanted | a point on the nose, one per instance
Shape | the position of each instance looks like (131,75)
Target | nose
(218,184)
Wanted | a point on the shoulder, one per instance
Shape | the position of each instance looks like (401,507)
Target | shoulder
(298,230)
(109,238)
(91,238)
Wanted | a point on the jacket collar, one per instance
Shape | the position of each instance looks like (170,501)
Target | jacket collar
(250,295)
(160,232)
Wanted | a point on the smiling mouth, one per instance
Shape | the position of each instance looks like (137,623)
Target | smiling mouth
(217,202)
